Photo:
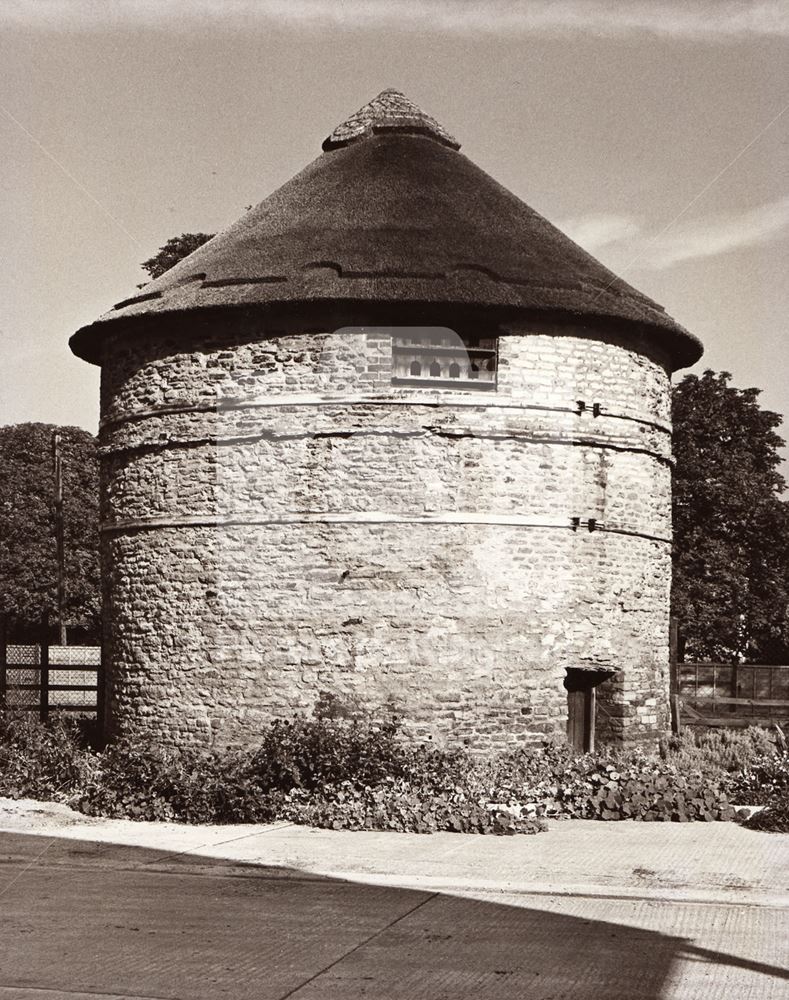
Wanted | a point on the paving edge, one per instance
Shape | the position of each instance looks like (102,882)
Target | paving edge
(429,883)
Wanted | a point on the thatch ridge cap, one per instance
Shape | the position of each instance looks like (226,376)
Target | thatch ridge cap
(388,111)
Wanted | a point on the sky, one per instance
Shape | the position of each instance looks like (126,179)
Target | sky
(654,133)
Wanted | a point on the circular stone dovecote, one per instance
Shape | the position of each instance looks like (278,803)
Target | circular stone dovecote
(390,443)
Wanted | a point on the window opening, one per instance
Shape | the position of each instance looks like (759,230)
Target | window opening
(440,357)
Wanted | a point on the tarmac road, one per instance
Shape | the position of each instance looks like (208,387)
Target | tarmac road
(93,910)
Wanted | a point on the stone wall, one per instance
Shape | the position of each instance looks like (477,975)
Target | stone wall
(283,527)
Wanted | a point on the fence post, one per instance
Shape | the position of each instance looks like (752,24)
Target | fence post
(44,669)
(100,695)
(3,662)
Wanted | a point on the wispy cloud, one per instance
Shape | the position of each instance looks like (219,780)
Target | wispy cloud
(682,19)
(620,239)
(598,230)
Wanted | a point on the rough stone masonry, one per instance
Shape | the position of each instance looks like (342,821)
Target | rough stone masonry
(390,443)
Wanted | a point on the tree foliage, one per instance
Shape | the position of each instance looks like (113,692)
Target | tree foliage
(175,249)
(28,563)
(731,527)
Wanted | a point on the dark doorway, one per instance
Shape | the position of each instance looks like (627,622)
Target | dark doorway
(581,705)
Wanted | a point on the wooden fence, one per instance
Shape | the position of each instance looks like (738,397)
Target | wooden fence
(707,693)
(44,678)
(727,694)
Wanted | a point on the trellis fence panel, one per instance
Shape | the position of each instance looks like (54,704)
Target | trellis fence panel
(42,678)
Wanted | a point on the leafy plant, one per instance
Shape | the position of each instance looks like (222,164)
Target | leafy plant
(354,775)
(774,818)
(306,753)
(40,761)
(762,782)
(609,785)
(138,781)
(396,805)
(747,764)
(716,752)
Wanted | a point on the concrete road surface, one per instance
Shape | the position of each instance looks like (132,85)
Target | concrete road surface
(94,909)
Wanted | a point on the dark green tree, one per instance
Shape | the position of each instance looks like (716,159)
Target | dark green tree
(174,249)
(28,562)
(731,527)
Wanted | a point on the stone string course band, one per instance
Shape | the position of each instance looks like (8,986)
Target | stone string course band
(228,405)
(237,439)
(372,517)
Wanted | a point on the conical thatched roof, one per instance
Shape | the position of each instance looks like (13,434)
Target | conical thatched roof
(392,214)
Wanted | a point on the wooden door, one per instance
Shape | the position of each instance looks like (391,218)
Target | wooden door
(580,686)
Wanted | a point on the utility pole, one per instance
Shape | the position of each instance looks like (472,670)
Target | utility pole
(57,463)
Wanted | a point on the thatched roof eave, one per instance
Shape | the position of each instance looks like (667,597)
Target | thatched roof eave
(393,215)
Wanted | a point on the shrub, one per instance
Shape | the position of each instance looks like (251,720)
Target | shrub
(306,753)
(138,781)
(395,804)
(748,765)
(333,773)
(608,785)
(762,781)
(774,818)
(40,760)
(715,752)
(355,775)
